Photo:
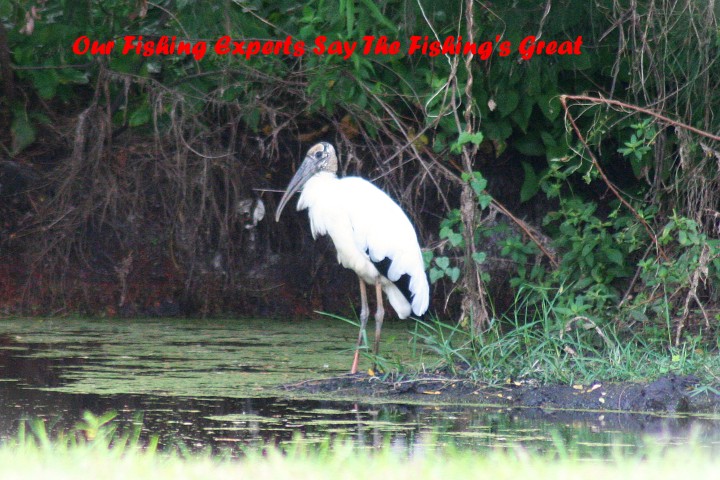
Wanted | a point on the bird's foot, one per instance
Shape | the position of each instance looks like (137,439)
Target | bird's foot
(356,360)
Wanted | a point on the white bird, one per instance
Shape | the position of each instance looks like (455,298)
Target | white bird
(372,236)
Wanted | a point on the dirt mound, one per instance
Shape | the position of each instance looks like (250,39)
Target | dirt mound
(671,393)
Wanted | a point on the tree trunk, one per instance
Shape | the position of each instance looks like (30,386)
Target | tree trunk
(473,304)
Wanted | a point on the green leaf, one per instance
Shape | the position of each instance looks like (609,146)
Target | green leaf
(576,62)
(477,182)
(454,274)
(479,257)
(588,260)
(46,82)
(350,16)
(125,63)
(252,118)
(583,283)
(550,106)
(615,256)
(530,145)
(466,137)
(498,130)
(531,183)
(22,131)
(71,75)
(456,239)
(375,12)
(548,140)
(507,102)
(521,115)
(436,274)
(442,262)
(484,200)
(427,256)
(140,116)
(556,152)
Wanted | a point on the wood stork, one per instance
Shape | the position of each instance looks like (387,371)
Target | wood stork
(372,236)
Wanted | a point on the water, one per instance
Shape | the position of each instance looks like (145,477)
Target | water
(214,384)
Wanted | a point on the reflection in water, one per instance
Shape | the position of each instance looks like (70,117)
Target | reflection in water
(42,364)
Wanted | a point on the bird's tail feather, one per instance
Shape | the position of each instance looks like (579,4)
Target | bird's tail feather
(397,300)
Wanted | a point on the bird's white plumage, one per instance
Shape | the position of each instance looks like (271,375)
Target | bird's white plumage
(360,218)
(372,236)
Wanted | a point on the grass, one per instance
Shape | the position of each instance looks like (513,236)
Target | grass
(533,351)
(542,342)
(112,454)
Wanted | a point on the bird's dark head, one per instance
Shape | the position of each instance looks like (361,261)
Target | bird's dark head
(320,158)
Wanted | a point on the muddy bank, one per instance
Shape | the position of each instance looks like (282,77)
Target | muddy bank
(671,394)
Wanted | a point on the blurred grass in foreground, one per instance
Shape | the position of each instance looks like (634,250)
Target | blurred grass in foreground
(97,449)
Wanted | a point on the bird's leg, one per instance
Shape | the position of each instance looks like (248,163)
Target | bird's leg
(379,314)
(364,314)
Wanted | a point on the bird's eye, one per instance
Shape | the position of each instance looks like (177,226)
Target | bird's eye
(318,155)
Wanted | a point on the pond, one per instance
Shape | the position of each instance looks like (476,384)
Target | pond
(216,384)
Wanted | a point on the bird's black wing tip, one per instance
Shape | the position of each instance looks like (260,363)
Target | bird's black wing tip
(402,283)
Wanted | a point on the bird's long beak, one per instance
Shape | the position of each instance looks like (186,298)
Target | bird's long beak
(307,169)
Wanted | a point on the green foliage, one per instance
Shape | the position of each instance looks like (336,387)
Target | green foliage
(601,245)
(531,183)
(591,248)
(598,258)
(478,184)
(463,139)
(451,227)
(96,432)
(694,258)
(639,147)
(609,268)
(508,98)
(441,268)
(522,253)
(92,426)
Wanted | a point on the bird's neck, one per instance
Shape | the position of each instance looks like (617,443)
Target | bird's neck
(320,178)
(317,190)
